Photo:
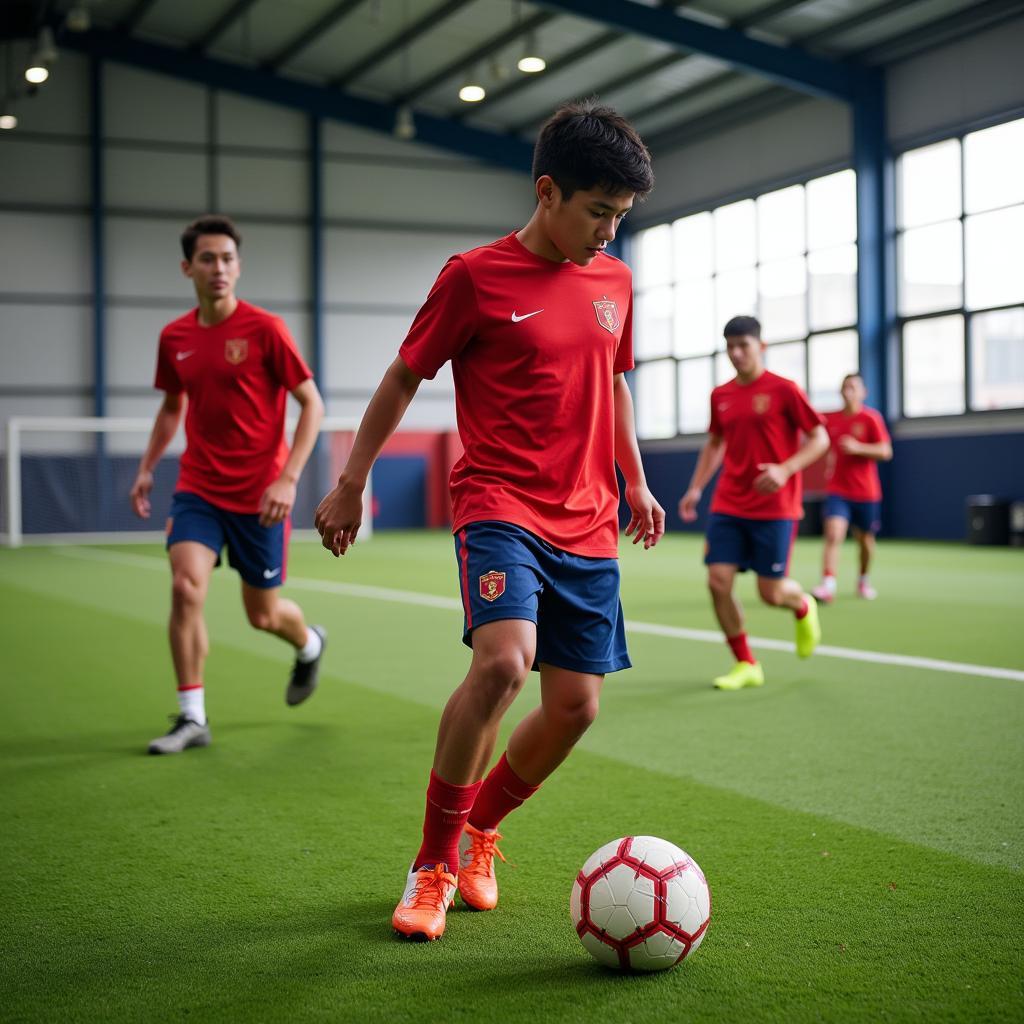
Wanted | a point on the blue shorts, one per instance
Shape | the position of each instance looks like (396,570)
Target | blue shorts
(258,553)
(763,545)
(863,515)
(506,572)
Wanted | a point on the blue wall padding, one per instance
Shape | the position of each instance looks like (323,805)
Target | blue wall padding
(400,492)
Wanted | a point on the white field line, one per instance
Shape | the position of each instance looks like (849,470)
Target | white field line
(648,628)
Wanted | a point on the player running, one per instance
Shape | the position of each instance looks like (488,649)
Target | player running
(853,491)
(755,434)
(538,327)
(231,366)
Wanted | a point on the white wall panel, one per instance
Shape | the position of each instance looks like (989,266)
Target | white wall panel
(132,337)
(389,267)
(348,139)
(45,253)
(275,263)
(427,195)
(251,184)
(245,122)
(156,180)
(144,259)
(360,348)
(62,105)
(421,415)
(813,134)
(43,172)
(953,85)
(142,105)
(45,345)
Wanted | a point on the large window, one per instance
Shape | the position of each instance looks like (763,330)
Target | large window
(788,257)
(961,273)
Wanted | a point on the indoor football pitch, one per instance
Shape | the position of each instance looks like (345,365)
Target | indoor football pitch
(860,819)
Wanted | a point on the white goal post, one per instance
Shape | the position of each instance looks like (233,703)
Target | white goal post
(61,451)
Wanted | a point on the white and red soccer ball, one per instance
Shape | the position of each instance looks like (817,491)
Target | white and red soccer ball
(640,904)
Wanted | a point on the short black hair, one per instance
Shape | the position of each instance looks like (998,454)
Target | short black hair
(583,145)
(743,325)
(852,376)
(208,224)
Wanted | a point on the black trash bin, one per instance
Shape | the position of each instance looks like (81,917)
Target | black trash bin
(1017,524)
(988,520)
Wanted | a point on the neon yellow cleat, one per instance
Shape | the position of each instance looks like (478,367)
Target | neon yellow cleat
(742,674)
(808,629)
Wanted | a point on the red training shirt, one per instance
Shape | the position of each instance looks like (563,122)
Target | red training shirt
(759,422)
(855,477)
(236,375)
(534,346)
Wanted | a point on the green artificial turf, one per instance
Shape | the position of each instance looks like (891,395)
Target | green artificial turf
(861,825)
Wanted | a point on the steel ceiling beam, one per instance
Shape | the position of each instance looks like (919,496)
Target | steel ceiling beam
(487,49)
(430,21)
(785,65)
(237,10)
(309,35)
(492,148)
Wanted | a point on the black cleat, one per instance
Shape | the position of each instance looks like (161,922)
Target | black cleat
(305,673)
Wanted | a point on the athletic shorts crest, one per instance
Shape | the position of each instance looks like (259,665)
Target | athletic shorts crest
(258,553)
(506,572)
(863,515)
(763,545)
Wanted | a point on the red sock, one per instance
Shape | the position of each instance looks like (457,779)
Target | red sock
(802,610)
(502,791)
(740,648)
(447,809)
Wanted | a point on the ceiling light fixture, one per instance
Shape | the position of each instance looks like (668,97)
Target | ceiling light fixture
(531,62)
(472,91)
(405,126)
(8,121)
(38,70)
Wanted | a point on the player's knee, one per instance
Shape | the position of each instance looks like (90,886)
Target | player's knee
(719,585)
(770,591)
(503,671)
(261,618)
(582,715)
(186,591)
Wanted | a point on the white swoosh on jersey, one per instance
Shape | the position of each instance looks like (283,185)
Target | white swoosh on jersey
(184,355)
(525,316)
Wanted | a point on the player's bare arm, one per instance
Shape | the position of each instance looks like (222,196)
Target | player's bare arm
(880,451)
(774,475)
(708,464)
(165,426)
(279,498)
(340,514)
(647,517)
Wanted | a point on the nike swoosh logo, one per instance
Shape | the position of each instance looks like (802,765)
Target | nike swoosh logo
(525,316)
(269,574)
(184,355)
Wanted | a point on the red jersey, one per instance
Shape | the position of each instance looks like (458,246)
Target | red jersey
(236,375)
(534,346)
(759,422)
(854,477)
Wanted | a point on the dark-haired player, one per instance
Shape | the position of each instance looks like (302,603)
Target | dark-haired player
(538,328)
(757,420)
(228,367)
(853,492)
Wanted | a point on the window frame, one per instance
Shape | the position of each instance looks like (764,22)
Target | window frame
(967,314)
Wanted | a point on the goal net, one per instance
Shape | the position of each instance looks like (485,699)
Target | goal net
(67,480)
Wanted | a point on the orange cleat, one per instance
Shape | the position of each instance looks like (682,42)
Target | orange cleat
(477,885)
(420,914)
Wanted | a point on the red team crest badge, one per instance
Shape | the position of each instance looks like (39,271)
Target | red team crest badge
(236,350)
(607,314)
(492,585)
(761,403)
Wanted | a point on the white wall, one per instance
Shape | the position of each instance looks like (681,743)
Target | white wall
(393,214)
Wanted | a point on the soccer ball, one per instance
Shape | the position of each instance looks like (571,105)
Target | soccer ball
(640,904)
